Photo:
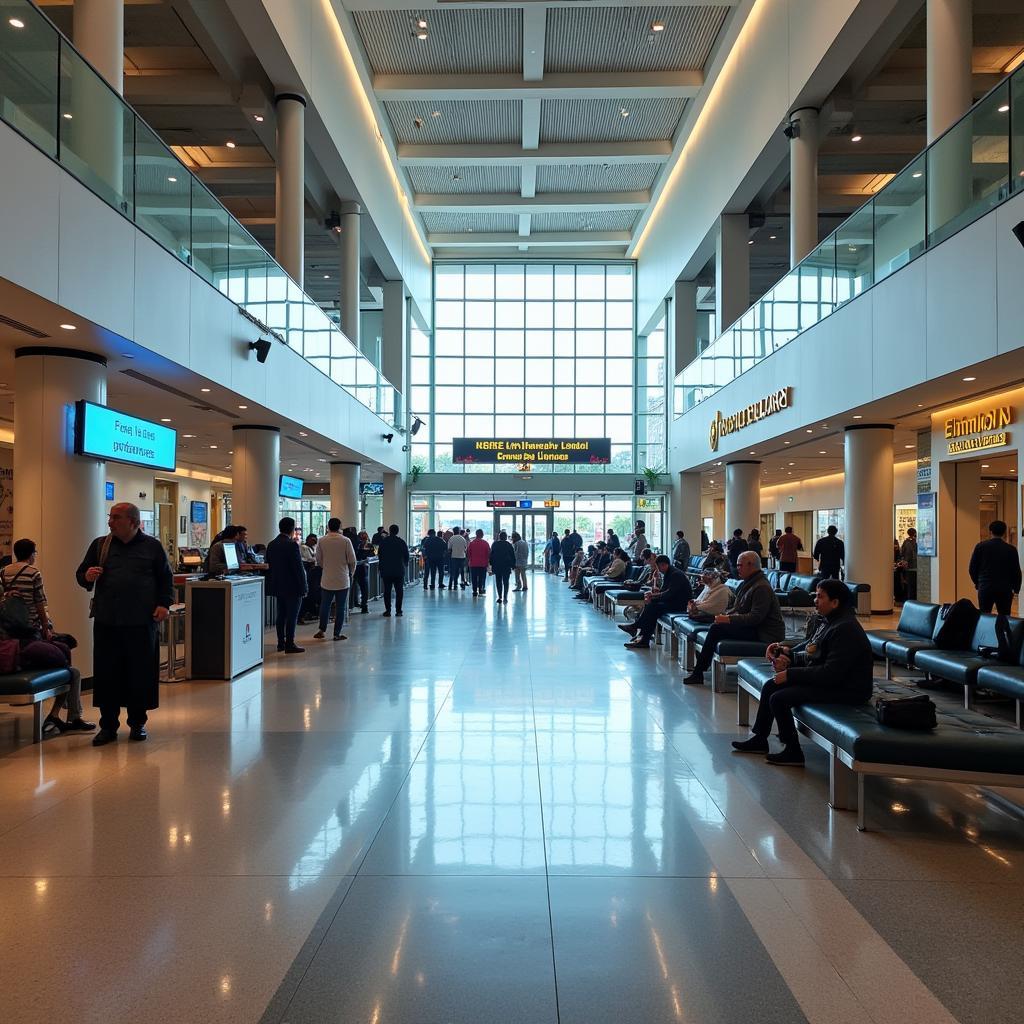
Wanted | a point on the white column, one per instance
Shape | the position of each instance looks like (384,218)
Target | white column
(396,503)
(58,496)
(290,224)
(394,335)
(345,492)
(348,271)
(255,473)
(688,517)
(732,269)
(742,497)
(684,325)
(803,184)
(868,496)
(98,31)
(950,40)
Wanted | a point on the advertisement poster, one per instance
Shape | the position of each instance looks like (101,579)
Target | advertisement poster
(906,519)
(198,524)
(926,524)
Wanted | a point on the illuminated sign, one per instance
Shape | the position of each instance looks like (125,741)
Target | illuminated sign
(979,431)
(373,487)
(511,504)
(103,433)
(750,414)
(552,504)
(569,451)
(290,487)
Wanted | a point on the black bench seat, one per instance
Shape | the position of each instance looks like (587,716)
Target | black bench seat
(917,624)
(33,686)
(966,747)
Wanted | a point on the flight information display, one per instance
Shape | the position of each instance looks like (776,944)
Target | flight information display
(567,451)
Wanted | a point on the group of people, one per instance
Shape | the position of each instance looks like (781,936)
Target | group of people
(452,552)
(784,546)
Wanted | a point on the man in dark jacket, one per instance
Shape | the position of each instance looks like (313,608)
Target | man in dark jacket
(833,667)
(736,548)
(756,615)
(286,581)
(995,570)
(673,595)
(434,551)
(681,551)
(567,549)
(829,553)
(132,591)
(392,562)
(502,561)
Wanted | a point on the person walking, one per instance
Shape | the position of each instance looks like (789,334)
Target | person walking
(479,555)
(994,568)
(392,563)
(908,558)
(787,545)
(337,560)
(681,551)
(567,550)
(552,552)
(457,548)
(133,589)
(522,551)
(754,544)
(502,561)
(829,553)
(287,582)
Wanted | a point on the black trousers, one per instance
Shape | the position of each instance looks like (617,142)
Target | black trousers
(777,703)
(721,631)
(396,583)
(435,572)
(361,584)
(501,577)
(478,577)
(787,566)
(829,572)
(988,596)
(287,617)
(648,620)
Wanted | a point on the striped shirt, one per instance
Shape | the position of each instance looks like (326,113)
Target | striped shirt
(27,582)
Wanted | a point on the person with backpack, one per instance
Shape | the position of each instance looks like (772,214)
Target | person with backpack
(24,617)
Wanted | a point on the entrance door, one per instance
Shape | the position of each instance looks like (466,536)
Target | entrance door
(534,527)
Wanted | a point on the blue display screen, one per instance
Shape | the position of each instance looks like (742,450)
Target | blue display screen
(372,487)
(198,512)
(115,436)
(291,487)
(110,491)
(526,504)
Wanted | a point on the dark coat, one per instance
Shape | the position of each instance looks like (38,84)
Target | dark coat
(837,657)
(286,576)
(758,607)
(995,565)
(735,548)
(567,547)
(829,553)
(136,580)
(503,556)
(392,556)
(434,548)
(675,592)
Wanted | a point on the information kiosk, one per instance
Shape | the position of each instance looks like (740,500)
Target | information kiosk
(223,626)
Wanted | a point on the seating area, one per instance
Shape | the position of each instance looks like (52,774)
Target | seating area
(34,686)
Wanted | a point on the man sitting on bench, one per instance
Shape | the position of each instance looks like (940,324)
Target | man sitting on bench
(833,667)
(673,595)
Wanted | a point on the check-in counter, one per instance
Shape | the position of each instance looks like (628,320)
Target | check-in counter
(223,626)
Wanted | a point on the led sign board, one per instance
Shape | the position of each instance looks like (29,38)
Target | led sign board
(102,433)
(290,487)
(979,431)
(748,415)
(510,503)
(372,487)
(568,451)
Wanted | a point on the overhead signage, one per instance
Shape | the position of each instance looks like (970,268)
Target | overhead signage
(511,503)
(373,487)
(979,431)
(569,451)
(552,504)
(290,487)
(750,414)
(102,433)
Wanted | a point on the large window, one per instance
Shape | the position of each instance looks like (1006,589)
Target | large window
(528,350)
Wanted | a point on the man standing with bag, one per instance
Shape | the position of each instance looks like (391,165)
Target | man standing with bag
(132,586)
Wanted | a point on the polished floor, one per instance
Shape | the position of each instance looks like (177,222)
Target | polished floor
(486,814)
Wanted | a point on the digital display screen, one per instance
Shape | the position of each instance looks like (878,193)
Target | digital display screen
(231,557)
(109,490)
(566,451)
(372,487)
(102,433)
(290,487)
(521,503)
(198,511)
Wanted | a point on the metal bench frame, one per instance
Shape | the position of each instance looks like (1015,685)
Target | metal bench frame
(846,775)
(23,700)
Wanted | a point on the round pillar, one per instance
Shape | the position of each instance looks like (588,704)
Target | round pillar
(98,31)
(396,503)
(803,184)
(348,271)
(255,471)
(290,222)
(950,41)
(58,496)
(742,496)
(345,492)
(868,496)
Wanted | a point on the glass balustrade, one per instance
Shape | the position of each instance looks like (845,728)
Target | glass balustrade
(966,172)
(51,96)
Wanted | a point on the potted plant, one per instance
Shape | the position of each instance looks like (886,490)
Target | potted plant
(414,472)
(652,476)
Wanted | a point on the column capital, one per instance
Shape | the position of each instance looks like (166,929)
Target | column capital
(744,462)
(63,353)
(869,426)
(255,426)
(350,206)
(296,96)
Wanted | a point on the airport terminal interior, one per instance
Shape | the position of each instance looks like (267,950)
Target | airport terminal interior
(662,368)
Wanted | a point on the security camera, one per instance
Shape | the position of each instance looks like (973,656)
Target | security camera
(405,447)
(262,349)
(792,130)
(416,424)
(388,437)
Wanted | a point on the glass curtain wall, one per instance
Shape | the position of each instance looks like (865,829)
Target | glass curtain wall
(528,350)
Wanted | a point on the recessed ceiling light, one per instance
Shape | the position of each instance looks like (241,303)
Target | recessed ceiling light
(188,435)
(917,174)
(421,22)
(750,241)
(171,178)
(165,419)
(15,23)
(790,463)
(68,117)
(823,453)
(856,138)
(243,407)
(421,35)
(1004,109)
(967,380)
(786,442)
(229,144)
(327,277)
(858,417)
(213,446)
(232,452)
(623,111)
(435,113)
(984,465)
(258,118)
(772,237)
(908,446)
(657,26)
(808,431)
(204,390)
(920,405)
(68,327)
(753,453)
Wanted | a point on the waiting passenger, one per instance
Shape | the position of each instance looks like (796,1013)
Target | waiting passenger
(754,544)
(434,550)
(361,578)
(287,581)
(502,561)
(788,544)
(908,562)
(215,559)
(715,560)
(833,667)
(829,553)
(616,571)
(522,550)
(611,540)
(392,563)
(755,616)
(457,548)
(337,560)
(994,568)
(567,550)
(737,545)
(479,555)
(580,561)
(773,547)
(712,600)
(552,552)
(673,595)
(638,543)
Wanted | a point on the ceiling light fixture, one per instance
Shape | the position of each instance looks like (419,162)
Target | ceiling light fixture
(858,417)
(623,111)
(967,380)
(15,23)
(984,465)
(856,138)
(435,113)
(188,435)
(165,419)
(421,35)
(258,118)
(229,144)
(172,178)
(421,22)
(68,117)
(302,433)
(1004,109)
(772,237)
(787,442)
(243,407)
(917,174)
(68,327)
(213,446)
(823,453)
(205,390)
(657,26)
(750,241)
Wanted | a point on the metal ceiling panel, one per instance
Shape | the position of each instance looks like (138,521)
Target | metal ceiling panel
(603,121)
(471,180)
(596,177)
(599,220)
(458,41)
(457,121)
(454,223)
(620,38)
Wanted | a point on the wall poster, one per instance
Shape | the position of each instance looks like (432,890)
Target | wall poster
(904,518)
(926,524)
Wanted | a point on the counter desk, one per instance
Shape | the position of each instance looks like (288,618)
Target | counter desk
(223,626)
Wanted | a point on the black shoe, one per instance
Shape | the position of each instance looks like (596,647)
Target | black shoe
(695,678)
(340,636)
(280,647)
(399,614)
(365,610)
(387,613)
(754,745)
(80,725)
(628,627)
(295,649)
(790,754)
(138,733)
(51,723)
(103,737)
(638,645)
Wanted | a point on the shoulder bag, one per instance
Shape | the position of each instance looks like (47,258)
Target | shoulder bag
(915,713)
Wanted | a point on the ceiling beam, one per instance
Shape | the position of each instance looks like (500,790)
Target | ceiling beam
(179,89)
(498,155)
(547,202)
(548,239)
(587,85)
